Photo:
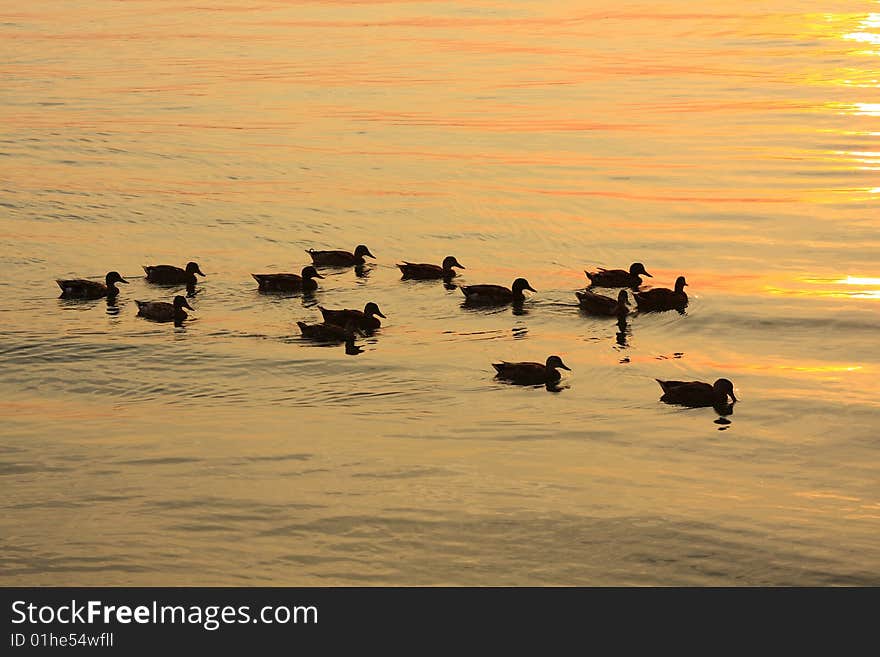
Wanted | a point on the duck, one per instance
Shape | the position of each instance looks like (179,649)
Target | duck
(340,258)
(426,271)
(170,275)
(618,277)
(697,393)
(329,332)
(161,311)
(597,304)
(497,293)
(289,282)
(365,320)
(531,373)
(661,298)
(80,288)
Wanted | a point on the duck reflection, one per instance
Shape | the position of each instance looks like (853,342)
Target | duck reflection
(724,410)
(351,349)
(483,308)
(623,331)
(112,306)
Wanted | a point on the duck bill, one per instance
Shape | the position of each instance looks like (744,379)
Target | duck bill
(733,397)
(564,367)
(186,305)
(122,280)
(200,272)
(459,265)
(379,312)
(370,254)
(647,274)
(317,275)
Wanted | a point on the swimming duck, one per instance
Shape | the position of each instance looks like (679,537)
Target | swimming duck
(289,282)
(531,374)
(597,304)
(80,288)
(661,298)
(160,311)
(170,275)
(697,393)
(340,258)
(329,332)
(618,277)
(426,271)
(497,293)
(365,320)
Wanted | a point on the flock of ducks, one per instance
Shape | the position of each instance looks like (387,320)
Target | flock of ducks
(344,325)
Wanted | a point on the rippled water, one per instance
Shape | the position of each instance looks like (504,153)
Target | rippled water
(735,143)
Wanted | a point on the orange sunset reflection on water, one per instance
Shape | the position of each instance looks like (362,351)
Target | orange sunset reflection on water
(734,144)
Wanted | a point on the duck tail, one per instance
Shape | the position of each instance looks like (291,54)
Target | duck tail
(302,326)
(499,367)
(662,384)
(146,269)
(60,283)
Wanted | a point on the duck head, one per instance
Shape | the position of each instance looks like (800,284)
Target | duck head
(449,262)
(637,268)
(310,272)
(521,284)
(114,277)
(723,388)
(680,284)
(372,309)
(555,362)
(193,268)
(180,302)
(361,251)
(622,298)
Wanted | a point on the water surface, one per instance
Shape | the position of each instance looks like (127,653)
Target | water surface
(734,143)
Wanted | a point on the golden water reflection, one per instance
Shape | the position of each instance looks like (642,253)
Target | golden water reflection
(736,145)
(869,288)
